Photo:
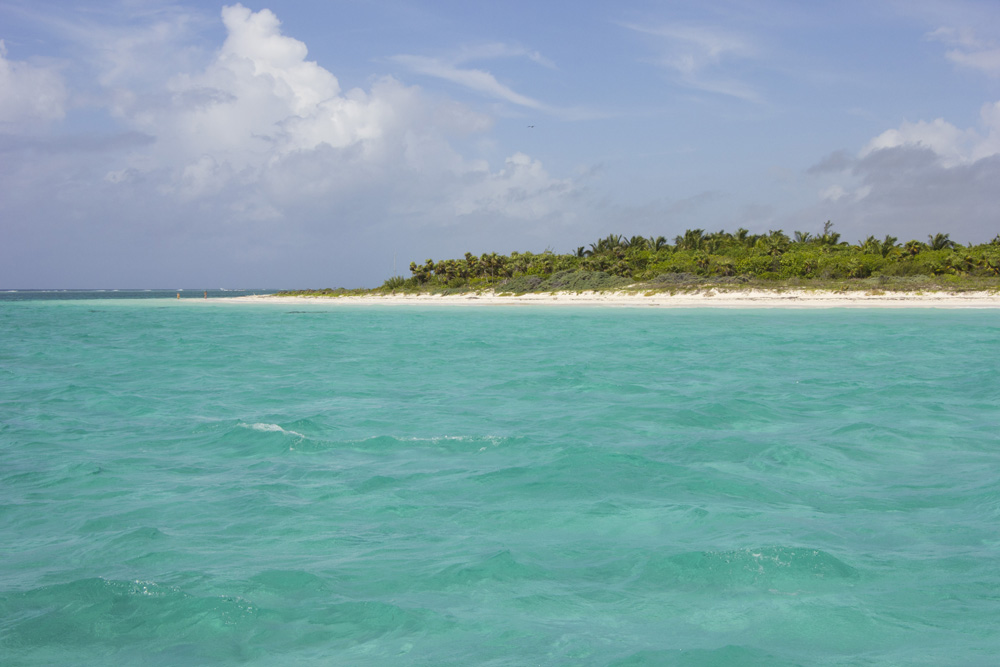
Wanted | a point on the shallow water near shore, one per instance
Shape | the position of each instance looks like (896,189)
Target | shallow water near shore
(188,483)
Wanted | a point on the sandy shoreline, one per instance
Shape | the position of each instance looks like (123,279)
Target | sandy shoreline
(704,299)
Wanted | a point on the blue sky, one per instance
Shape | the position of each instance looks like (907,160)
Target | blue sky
(331,143)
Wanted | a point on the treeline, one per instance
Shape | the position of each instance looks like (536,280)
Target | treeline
(712,257)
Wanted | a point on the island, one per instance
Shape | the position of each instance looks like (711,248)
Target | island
(728,268)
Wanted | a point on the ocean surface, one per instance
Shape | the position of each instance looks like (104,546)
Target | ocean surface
(189,482)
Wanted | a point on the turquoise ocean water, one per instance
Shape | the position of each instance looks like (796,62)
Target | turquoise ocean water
(189,482)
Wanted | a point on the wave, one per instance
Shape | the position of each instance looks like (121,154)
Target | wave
(110,615)
(727,655)
(95,620)
(499,567)
(778,569)
(271,428)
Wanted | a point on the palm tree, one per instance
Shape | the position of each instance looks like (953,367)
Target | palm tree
(614,241)
(715,241)
(775,243)
(418,272)
(742,236)
(693,239)
(447,269)
(609,244)
(779,236)
(543,263)
(940,242)
(471,267)
(888,246)
(637,243)
(914,247)
(829,237)
(870,246)
(422,272)
(503,265)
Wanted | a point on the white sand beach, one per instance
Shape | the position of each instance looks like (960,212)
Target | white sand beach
(787,298)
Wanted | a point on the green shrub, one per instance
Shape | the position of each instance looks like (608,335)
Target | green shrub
(521,284)
(394,283)
(754,265)
(906,267)
(675,279)
(584,281)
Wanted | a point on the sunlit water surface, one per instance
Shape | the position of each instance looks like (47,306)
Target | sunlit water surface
(185,482)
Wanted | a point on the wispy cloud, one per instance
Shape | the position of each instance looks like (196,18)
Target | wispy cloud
(500,50)
(968,49)
(697,54)
(458,68)
(478,80)
(692,48)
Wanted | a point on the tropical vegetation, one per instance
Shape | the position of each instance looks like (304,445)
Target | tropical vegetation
(698,259)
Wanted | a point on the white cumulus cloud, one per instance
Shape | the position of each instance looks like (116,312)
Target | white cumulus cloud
(910,180)
(262,113)
(249,151)
(952,145)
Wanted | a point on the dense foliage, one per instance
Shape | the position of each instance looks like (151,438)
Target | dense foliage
(697,258)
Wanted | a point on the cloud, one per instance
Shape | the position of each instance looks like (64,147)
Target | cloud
(696,53)
(74,144)
(126,47)
(951,145)
(693,48)
(906,191)
(920,178)
(834,162)
(454,68)
(29,93)
(947,145)
(252,113)
(833,193)
(473,79)
(495,50)
(256,38)
(969,50)
(257,154)
(522,189)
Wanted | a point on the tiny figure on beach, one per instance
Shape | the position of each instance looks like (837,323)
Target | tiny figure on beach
(206,294)
(178,295)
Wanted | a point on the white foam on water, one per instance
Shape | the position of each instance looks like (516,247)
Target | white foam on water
(272,428)
(475,439)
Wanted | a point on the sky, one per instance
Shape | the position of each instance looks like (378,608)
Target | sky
(329,143)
